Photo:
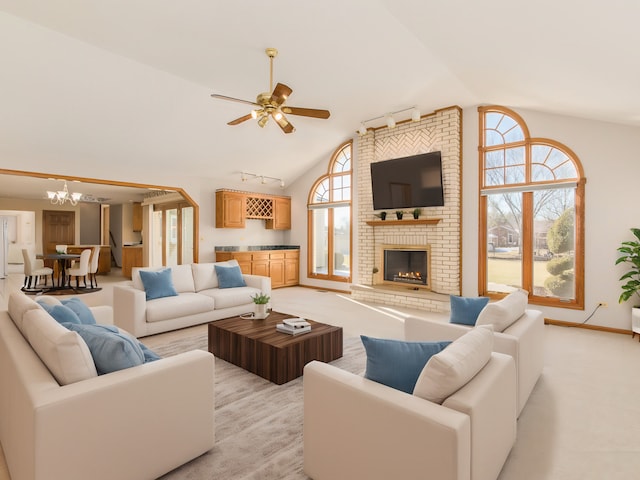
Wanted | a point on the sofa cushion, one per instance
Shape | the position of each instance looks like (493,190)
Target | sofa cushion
(448,371)
(183,305)
(229,277)
(231,297)
(465,310)
(158,284)
(503,313)
(181,275)
(111,350)
(63,352)
(61,313)
(204,274)
(81,309)
(18,305)
(397,363)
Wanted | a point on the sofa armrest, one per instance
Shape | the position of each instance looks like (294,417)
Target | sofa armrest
(129,309)
(432,330)
(103,314)
(260,282)
(490,401)
(157,405)
(357,428)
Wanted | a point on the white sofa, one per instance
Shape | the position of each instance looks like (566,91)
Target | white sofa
(523,340)
(357,428)
(199,299)
(137,423)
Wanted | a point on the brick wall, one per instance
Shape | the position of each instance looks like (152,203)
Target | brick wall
(438,131)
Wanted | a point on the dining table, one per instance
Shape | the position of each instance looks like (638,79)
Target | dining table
(63,260)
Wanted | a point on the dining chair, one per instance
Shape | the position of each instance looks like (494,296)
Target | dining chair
(93,266)
(34,269)
(82,270)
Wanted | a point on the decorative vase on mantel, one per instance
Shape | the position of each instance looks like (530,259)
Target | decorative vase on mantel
(399,214)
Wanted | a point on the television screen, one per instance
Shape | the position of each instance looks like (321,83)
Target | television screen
(408,182)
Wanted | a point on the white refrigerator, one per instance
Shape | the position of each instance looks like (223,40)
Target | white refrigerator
(4,246)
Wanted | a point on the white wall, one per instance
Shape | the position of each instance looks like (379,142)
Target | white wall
(609,156)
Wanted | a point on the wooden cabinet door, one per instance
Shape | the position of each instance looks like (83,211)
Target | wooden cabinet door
(260,264)
(291,268)
(276,267)
(281,214)
(230,210)
(137,217)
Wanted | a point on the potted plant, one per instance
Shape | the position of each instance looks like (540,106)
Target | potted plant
(399,214)
(382,215)
(260,301)
(630,253)
(416,213)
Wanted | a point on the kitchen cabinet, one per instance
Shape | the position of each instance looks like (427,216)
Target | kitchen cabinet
(137,217)
(131,257)
(233,208)
(281,214)
(230,209)
(281,266)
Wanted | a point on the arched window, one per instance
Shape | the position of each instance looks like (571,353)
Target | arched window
(329,220)
(531,213)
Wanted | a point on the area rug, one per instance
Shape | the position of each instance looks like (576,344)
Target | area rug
(258,424)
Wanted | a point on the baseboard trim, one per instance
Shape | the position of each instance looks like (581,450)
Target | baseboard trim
(335,290)
(562,323)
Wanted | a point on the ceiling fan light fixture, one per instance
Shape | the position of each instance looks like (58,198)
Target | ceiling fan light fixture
(254,114)
(262,121)
(277,115)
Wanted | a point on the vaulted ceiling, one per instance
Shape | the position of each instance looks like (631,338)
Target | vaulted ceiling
(126,84)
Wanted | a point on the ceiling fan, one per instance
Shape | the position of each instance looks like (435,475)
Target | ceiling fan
(272,103)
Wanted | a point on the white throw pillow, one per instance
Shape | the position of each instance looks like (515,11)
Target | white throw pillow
(448,371)
(63,352)
(504,312)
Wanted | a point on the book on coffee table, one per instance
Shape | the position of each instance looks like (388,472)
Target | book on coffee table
(293,330)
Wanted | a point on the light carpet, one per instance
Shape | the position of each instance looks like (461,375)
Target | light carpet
(258,424)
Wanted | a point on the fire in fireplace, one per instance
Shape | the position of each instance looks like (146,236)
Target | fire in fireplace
(406,265)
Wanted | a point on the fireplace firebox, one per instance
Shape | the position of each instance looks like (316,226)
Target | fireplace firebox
(406,265)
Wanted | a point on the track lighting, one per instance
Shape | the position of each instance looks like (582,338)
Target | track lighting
(390,120)
(264,179)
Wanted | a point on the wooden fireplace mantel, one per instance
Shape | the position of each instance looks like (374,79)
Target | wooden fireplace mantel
(412,221)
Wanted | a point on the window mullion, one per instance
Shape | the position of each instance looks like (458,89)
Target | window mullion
(527,241)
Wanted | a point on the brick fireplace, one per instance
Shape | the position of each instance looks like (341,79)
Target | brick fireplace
(404,265)
(438,230)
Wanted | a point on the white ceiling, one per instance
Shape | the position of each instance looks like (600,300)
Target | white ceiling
(125,83)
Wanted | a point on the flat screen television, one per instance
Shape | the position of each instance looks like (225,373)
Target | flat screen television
(408,182)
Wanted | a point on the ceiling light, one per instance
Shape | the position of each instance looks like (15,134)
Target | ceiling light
(262,121)
(62,196)
(254,114)
(415,115)
(391,123)
(363,129)
(277,115)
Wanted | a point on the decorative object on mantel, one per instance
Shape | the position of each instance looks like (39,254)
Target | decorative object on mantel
(382,215)
(399,214)
(244,176)
(391,122)
(416,213)
(261,300)
(390,223)
(630,251)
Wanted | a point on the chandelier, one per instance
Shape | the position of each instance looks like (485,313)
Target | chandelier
(62,196)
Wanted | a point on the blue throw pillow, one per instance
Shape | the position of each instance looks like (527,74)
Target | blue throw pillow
(61,313)
(229,277)
(465,310)
(81,309)
(110,349)
(158,284)
(149,355)
(396,363)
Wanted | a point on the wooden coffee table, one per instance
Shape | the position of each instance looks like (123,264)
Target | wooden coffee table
(256,346)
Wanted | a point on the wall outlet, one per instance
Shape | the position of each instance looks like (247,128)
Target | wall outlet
(603,304)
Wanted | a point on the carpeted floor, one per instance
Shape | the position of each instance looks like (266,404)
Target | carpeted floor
(258,424)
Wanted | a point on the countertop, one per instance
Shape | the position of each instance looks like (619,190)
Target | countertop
(254,248)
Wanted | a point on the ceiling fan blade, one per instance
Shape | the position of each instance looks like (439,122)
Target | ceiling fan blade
(283,122)
(280,94)
(224,97)
(240,120)
(307,112)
